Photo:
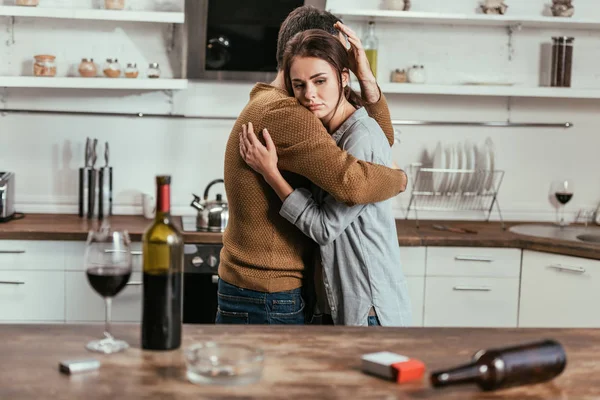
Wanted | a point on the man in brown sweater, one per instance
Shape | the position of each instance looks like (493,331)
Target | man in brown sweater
(264,256)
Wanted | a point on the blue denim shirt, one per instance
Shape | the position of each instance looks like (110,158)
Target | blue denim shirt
(358,244)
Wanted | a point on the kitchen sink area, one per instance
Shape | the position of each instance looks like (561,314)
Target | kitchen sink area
(586,234)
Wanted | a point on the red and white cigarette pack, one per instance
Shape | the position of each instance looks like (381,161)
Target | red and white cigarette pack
(393,366)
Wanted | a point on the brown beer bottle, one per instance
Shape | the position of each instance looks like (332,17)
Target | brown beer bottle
(507,367)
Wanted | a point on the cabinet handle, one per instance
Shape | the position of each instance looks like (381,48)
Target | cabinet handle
(133,252)
(12,251)
(215,279)
(12,283)
(560,267)
(473,258)
(473,288)
(134,283)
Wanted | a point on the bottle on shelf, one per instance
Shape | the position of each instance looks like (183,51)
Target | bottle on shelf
(506,367)
(371,46)
(162,247)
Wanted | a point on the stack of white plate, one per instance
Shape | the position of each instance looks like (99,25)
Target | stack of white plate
(464,156)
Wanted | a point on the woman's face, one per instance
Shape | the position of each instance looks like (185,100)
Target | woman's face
(316,86)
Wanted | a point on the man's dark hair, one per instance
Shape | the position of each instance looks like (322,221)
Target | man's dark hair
(302,19)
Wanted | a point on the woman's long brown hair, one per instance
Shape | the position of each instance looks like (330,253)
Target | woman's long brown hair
(317,43)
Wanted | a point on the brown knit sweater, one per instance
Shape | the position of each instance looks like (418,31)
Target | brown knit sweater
(261,250)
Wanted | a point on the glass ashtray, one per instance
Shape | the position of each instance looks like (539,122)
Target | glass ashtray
(223,364)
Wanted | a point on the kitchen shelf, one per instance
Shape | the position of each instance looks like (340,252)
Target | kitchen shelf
(487,90)
(93,14)
(465,19)
(92,83)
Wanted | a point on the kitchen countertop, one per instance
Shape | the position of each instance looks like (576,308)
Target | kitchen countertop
(490,234)
(301,362)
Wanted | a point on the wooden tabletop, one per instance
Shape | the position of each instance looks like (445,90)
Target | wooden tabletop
(489,234)
(315,362)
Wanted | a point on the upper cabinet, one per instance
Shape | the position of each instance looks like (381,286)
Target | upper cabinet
(133,45)
(454,49)
(433,18)
(170,17)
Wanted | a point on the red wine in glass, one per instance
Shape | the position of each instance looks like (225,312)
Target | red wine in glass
(563,197)
(108,281)
(563,191)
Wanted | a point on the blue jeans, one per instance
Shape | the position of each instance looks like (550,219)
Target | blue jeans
(244,306)
(372,320)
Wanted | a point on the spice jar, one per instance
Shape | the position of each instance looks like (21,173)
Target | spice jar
(416,74)
(114,4)
(131,71)
(87,68)
(112,69)
(399,76)
(562,61)
(30,3)
(153,71)
(44,65)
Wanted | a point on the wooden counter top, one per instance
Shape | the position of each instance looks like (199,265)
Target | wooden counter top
(311,362)
(489,234)
(71,227)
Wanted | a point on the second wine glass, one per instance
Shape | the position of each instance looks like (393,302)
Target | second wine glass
(563,191)
(108,268)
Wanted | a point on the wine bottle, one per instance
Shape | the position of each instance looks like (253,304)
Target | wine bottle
(162,248)
(507,367)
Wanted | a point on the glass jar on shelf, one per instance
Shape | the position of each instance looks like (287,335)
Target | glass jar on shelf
(29,3)
(131,71)
(87,68)
(44,65)
(112,69)
(153,71)
(114,4)
(416,74)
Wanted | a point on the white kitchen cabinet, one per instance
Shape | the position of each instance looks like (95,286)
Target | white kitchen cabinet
(21,255)
(416,291)
(75,251)
(412,260)
(559,291)
(83,304)
(32,296)
(471,302)
(473,261)
(472,287)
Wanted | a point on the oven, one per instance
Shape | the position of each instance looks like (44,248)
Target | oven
(236,39)
(200,279)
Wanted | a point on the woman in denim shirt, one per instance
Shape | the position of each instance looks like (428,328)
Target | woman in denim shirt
(362,282)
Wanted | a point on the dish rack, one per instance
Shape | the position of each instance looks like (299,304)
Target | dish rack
(461,190)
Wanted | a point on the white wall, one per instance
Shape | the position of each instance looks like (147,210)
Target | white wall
(46,150)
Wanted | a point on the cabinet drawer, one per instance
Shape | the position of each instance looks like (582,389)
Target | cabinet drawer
(559,291)
(471,302)
(416,291)
(473,261)
(85,305)
(19,255)
(412,260)
(75,251)
(32,295)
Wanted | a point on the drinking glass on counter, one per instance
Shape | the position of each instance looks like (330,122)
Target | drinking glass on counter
(563,191)
(108,268)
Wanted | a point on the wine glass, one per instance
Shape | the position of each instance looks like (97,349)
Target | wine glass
(108,268)
(563,191)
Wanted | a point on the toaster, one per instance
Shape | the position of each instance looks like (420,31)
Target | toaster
(7,196)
